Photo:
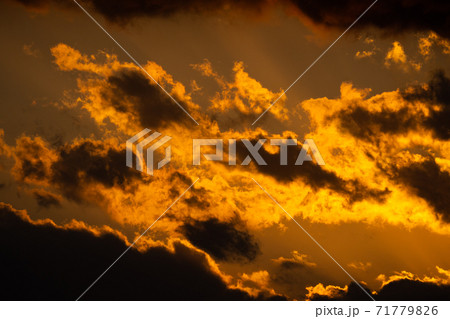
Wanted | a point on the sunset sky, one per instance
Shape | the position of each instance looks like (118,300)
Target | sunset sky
(377,105)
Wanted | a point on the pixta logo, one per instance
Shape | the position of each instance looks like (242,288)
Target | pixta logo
(308,147)
(142,142)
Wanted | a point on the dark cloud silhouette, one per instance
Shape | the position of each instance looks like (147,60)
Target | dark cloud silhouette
(369,125)
(414,290)
(404,15)
(437,92)
(429,182)
(43,262)
(30,164)
(34,169)
(311,173)
(403,289)
(89,162)
(45,199)
(71,167)
(290,276)
(131,91)
(225,240)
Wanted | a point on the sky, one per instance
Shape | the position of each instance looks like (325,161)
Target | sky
(373,222)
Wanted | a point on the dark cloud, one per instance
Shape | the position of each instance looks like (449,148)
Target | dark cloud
(195,201)
(436,93)
(131,91)
(42,262)
(369,125)
(404,15)
(33,169)
(225,240)
(198,197)
(353,293)
(391,16)
(290,276)
(180,177)
(119,11)
(73,166)
(414,290)
(45,199)
(429,182)
(403,289)
(425,179)
(291,265)
(30,164)
(312,174)
(90,162)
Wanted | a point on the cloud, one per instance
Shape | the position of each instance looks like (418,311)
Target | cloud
(436,94)
(428,181)
(360,128)
(364,54)
(99,164)
(29,50)
(42,261)
(5,149)
(352,292)
(406,289)
(258,283)
(404,15)
(71,167)
(226,241)
(434,115)
(367,53)
(354,185)
(291,275)
(366,124)
(397,56)
(320,292)
(33,160)
(130,91)
(426,43)
(311,173)
(363,138)
(400,286)
(296,261)
(45,198)
(241,100)
(121,93)
(363,266)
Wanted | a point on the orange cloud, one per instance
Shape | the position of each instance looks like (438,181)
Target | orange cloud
(397,56)
(329,291)
(338,192)
(426,44)
(244,93)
